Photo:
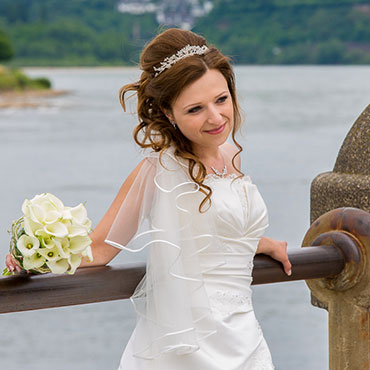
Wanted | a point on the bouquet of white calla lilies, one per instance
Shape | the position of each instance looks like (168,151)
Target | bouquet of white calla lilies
(50,237)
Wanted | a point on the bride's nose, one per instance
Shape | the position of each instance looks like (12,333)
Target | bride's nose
(214,115)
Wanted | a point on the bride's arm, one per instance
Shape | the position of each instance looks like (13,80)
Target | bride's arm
(277,250)
(103,253)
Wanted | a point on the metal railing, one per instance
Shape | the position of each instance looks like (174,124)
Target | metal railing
(98,284)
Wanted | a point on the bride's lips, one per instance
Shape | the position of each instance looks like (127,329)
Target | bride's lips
(217,130)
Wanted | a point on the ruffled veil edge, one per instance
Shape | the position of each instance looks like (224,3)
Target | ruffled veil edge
(173,311)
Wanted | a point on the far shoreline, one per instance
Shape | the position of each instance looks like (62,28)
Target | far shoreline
(35,68)
(28,98)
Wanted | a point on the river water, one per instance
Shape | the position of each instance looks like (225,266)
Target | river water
(79,147)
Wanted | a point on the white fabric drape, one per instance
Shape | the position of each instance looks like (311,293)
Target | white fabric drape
(171,302)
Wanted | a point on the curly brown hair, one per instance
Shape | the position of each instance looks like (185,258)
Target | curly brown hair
(156,95)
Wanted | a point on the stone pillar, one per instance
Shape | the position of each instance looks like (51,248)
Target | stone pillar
(347,295)
(348,185)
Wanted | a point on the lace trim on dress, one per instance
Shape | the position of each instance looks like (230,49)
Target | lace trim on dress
(261,360)
(226,303)
(216,177)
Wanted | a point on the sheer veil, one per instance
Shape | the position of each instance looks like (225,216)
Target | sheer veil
(160,213)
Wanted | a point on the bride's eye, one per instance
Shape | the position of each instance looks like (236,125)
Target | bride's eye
(194,109)
(222,99)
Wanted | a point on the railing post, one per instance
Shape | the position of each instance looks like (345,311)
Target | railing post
(347,295)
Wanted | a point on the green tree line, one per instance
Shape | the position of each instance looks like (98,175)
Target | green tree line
(6,49)
(291,31)
(93,32)
(77,32)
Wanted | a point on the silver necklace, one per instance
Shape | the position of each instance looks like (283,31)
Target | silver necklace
(218,173)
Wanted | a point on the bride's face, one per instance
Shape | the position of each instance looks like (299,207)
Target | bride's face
(204,111)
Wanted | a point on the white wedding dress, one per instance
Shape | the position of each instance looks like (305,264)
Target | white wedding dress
(236,341)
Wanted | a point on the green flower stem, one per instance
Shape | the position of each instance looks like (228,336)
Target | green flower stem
(6,272)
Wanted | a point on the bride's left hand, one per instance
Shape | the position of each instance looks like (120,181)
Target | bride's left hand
(11,264)
(277,250)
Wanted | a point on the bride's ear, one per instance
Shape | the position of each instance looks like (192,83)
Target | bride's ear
(168,114)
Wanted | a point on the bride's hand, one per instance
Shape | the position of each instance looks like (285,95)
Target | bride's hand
(277,250)
(11,264)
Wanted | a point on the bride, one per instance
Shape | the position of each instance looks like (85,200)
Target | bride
(201,219)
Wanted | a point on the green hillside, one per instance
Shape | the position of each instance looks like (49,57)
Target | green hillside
(93,32)
(290,32)
(78,32)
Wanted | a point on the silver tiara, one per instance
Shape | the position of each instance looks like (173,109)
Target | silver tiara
(186,51)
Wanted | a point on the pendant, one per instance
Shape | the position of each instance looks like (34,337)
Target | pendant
(218,173)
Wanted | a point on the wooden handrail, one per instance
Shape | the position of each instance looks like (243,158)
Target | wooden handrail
(98,284)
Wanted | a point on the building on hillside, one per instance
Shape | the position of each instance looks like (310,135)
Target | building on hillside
(179,13)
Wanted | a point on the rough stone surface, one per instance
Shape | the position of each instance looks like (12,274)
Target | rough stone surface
(354,155)
(347,186)
(332,190)
(349,183)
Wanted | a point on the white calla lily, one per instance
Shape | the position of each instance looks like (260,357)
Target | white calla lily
(56,202)
(50,254)
(78,243)
(79,214)
(33,262)
(38,200)
(47,240)
(58,266)
(67,213)
(88,253)
(74,261)
(34,200)
(31,228)
(87,225)
(52,216)
(67,223)
(28,245)
(63,247)
(57,229)
(43,208)
(77,230)
(37,213)
(25,206)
